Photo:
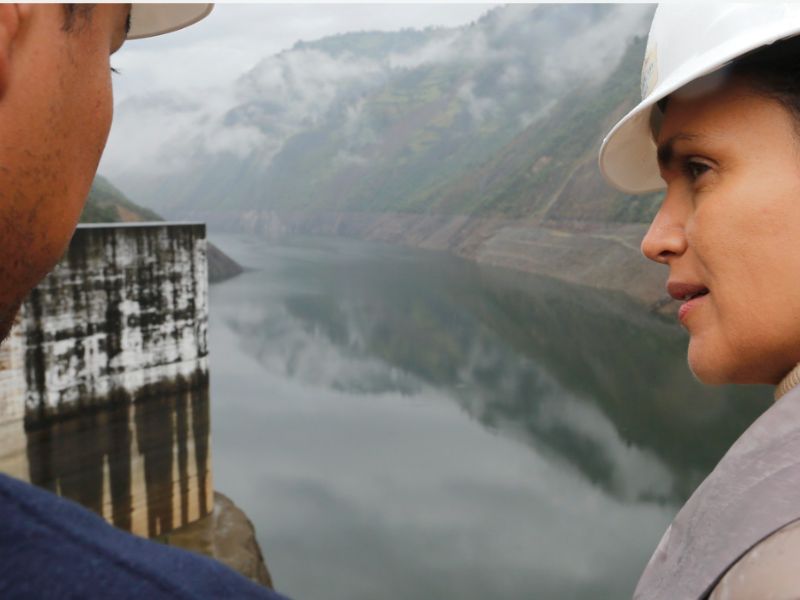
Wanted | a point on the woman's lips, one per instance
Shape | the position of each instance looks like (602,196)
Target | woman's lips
(691,294)
(689,305)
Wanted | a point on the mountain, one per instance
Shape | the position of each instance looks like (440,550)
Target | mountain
(107,204)
(481,140)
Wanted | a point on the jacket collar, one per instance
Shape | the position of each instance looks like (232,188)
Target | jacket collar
(787,383)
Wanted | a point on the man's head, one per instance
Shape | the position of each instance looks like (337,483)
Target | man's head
(55,115)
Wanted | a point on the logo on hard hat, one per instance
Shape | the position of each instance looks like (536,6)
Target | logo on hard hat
(650,70)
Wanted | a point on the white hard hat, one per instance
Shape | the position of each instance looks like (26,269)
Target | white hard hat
(686,41)
(148,20)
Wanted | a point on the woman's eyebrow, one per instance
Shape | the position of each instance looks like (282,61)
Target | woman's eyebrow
(666,149)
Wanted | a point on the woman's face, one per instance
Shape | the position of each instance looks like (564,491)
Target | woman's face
(730,224)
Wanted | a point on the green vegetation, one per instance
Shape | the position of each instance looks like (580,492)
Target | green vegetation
(107,204)
(481,120)
(435,153)
(549,169)
(373,44)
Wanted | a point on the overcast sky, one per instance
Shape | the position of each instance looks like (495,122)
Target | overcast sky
(236,36)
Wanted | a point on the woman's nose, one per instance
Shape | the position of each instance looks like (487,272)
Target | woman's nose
(666,238)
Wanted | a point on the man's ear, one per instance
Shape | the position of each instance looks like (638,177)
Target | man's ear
(11,16)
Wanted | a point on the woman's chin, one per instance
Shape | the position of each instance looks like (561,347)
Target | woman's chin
(720,368)
(709,367)
(708,376)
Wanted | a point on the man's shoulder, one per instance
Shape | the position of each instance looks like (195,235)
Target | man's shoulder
(54,548)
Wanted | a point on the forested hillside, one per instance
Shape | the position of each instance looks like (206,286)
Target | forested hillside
(489,118)
(481,140)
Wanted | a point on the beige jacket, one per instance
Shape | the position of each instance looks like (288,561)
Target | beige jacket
(769,571)
(738,536)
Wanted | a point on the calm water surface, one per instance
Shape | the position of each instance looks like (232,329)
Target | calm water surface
(402,424)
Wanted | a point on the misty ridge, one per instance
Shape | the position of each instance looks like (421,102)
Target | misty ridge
(388,121)
(479,140)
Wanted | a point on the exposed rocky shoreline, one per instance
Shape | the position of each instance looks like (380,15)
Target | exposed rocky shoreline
(220,265)
(597,255)
(226,535)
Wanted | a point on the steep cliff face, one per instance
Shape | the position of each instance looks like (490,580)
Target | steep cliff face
(489,118)
(481,140)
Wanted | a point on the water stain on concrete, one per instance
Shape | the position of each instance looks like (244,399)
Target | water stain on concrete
(144,465)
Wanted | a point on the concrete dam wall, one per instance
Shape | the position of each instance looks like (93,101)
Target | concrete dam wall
(104,379)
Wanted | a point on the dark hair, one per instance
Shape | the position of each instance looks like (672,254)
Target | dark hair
(73,12)
(774,71)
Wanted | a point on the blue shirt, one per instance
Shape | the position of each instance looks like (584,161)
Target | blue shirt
(52,548)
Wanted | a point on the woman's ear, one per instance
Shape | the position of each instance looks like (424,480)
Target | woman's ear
(11,16)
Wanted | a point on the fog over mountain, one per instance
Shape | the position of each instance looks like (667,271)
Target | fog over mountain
(362,102)
(479,139)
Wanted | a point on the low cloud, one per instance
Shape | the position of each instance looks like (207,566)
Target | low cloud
(198,67)
(598,47)
(514,61)
(442,49)
(479,108)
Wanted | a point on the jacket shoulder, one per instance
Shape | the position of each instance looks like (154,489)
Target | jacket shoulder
(768,569)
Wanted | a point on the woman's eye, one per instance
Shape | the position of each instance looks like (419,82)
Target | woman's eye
(694,169)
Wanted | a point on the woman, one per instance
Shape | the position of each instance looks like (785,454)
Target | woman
(719,129)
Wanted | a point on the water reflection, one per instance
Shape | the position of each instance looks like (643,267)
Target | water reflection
(351,366)
(587,376)
(144,465)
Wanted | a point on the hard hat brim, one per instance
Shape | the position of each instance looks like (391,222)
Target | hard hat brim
(628,155)
(148,20)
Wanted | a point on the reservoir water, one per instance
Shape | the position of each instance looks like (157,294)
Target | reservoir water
(403,424)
